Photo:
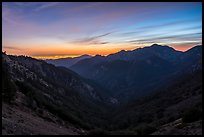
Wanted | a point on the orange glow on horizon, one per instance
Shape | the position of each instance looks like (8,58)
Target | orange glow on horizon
(183,47)
(63,51)
(55,57)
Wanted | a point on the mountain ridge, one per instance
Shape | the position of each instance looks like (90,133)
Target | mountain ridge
(132,67)
(67,62)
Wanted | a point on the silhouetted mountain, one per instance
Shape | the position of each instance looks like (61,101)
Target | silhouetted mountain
(163,52)
(193,53)
(67,62)
(133,73)
(191,60)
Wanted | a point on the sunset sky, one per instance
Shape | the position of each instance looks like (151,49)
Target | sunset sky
(68,29)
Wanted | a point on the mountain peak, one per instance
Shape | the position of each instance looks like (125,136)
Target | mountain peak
(98,55)
(197,48)
(161,46)
(122,50)
(155,45)
(85,55)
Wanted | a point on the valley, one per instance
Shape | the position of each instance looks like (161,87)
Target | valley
(102,68)
(129,92)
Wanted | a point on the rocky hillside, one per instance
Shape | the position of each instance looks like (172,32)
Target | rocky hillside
(55,90)
(19,119)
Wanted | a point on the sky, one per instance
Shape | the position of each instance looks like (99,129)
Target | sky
(69,29)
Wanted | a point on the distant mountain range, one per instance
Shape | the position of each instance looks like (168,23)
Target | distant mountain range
(67,62)
(163,52)
(133,73)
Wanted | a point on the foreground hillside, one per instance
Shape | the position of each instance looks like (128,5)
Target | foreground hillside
(44,88)
(19,119)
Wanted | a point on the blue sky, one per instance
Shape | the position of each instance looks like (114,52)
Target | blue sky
(56,29)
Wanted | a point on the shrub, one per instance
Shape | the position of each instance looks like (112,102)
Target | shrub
(192,115)
(145,129)
(25,88)
(8,86)
(9,90)
(98,132)
(124,132)
(170,119)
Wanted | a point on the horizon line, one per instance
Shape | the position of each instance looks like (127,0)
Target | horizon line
(54,57)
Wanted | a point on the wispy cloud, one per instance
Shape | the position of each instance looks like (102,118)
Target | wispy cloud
(7,15)
(13,48)
(93,39)
(84,6)
(149,28)
(172,38)
(46,5)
